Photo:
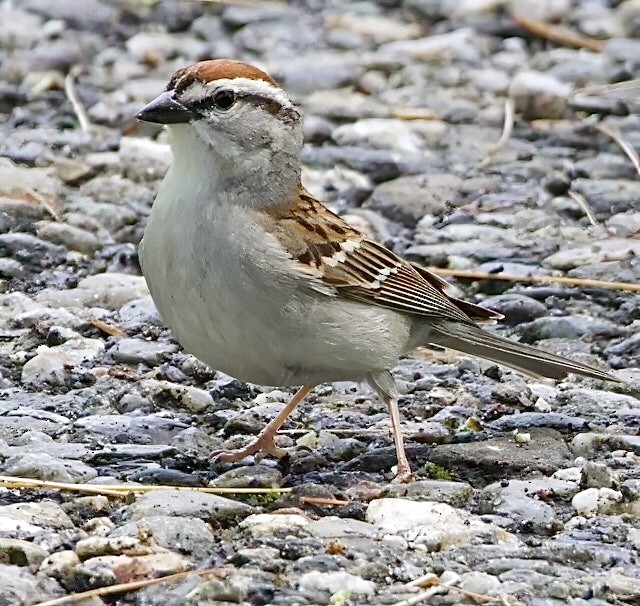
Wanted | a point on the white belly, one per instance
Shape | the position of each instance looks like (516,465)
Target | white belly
(227,306)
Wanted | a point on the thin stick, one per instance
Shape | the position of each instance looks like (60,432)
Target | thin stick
(322,501)
(126,587)
(109,329)
(40,199)
(424,595)
(507,130)
(439,587)
(584,205)
(29,483)
(558,34)
(124,489)
(481,275)
(74,99)
(412,113)
(626,147)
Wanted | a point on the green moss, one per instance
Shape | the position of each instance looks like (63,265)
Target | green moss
(435,472)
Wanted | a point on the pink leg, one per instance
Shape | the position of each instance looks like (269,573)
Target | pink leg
(264,444)
(384,385)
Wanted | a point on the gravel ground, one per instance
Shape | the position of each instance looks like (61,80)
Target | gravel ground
(527,492)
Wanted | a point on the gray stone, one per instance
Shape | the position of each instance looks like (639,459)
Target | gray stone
(21,553)
(539,95)
(254,476)
(142,429)
(408,199)
(74,238)
(182,396)
(189,535)
(140,311)
(611,249)
(524,506)
(440,491)
(43,466)
(209,507)
(498,458)
(598,475)
(526,420)
(24,520)
(20,587)
(515,308)
(139,351)
(110,290)
(567,327)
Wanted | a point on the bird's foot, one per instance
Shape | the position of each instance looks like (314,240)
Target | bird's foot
(403,475)
(261,447)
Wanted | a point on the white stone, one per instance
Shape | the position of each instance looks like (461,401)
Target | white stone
(541,10)
(376,28)
(435,525)
(539,95)
(144,159)
(479,582)
(598,251)
(265,524)
(379,133)
(335,581)
(50,364)
(192,398)
(458,44)
(109,290)
(569,474)
(596,500)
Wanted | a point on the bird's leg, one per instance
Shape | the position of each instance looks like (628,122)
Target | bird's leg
(264,444)
(403,472)
(385,387)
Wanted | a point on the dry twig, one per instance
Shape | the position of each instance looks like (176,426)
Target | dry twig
(412,113)
(507,130)
(584,205)
(109,329)
(481,275)
(558,34)
(322,501)
(126,587)
(120,490)
(626,147)
(74,99)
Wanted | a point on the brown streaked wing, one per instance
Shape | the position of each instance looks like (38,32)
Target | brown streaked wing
(475,312)
(359,268)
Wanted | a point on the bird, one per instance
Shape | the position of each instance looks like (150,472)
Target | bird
(260,280)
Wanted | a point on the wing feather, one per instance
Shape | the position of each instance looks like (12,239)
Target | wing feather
(326,246)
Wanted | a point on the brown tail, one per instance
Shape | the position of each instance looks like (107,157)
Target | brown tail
(473,340)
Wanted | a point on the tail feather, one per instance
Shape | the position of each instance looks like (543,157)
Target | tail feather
(471,339)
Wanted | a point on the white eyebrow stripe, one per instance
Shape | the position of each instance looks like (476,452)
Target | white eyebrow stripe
(201,90)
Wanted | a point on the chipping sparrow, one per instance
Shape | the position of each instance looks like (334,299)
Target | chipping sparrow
(258,279)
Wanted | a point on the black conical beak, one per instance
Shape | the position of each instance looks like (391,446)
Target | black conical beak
(165,110)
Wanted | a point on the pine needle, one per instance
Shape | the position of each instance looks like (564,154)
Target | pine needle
(626,147)
(507,130)
(78,108)
(584,205)
(108,329)
(74,598)
(120,490)
(584,282)
(556,33)
(322,501)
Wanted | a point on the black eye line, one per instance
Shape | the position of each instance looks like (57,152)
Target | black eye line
(288,113)
(209,102)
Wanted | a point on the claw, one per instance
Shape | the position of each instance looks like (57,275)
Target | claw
(403,476)
(261,447)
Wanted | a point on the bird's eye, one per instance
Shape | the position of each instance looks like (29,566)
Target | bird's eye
(224,99)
